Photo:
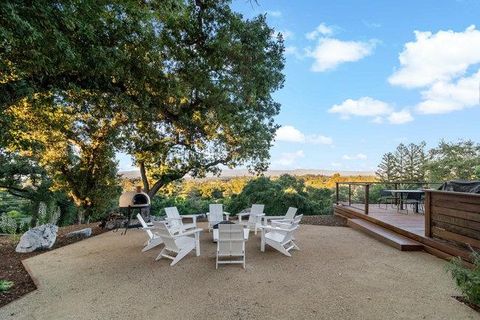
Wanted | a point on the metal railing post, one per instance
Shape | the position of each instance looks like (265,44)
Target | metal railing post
(367,191)
(349,194)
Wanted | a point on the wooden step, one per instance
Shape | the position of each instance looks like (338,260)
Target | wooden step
(386,236)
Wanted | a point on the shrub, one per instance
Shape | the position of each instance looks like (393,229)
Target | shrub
(8,224)
(279,194)
(467,280)
(5,285)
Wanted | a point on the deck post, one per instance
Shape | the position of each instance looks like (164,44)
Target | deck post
(428,214)
(337,193)
(367,191)
(349,194)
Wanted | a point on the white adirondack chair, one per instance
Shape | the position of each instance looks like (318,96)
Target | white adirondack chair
(180,245)
(254,217)
(230,244)
(216,215)
(280,236)
(175,221)
(153,238)
(287,217)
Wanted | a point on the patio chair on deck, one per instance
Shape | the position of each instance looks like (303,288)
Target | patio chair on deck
(230,244)
(386,198)
(254,217)
(215,215)
(413,199)
(153,238)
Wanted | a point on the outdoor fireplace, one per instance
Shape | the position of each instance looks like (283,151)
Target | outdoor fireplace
(131,200)
(134,199)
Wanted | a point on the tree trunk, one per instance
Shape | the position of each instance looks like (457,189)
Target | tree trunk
(143,174)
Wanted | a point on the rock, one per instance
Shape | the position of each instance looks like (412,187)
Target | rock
(41,237)
(84,233)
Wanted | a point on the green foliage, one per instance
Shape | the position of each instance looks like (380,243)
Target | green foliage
(185,205)
(407,163)
(8,224)
(467,280)
(5,285)
(450,161)
(277,195)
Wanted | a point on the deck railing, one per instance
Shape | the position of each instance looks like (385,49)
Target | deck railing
(361,195)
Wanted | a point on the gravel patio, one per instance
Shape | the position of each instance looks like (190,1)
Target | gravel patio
(339,274)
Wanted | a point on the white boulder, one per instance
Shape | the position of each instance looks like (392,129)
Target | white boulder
(83,233)
(41,237)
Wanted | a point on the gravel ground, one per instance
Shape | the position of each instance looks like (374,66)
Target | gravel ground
(338,274)
(326,220)
(11,267)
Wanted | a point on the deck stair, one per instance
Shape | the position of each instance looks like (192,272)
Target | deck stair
(384,235)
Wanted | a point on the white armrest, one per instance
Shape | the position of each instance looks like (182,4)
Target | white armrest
(190,232)
(226,213)
(191,216)
(274,217)
(274,228)
(243,214)
(172,219)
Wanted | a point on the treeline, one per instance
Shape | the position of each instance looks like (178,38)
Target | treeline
(311,194)
(448,161)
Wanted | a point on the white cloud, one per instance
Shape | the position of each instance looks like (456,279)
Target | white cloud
(364,106)
(319,139)
(289,158)
(292,134)
(437,57)
(289,134)
(329,53)
(441,64)
(321,30)
(293,51)
(336,164)
(400,117)
(358,156)
(274,13)
(444,97)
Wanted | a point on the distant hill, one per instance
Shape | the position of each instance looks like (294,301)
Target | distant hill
(270,173)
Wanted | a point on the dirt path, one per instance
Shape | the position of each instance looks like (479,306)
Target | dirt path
(339,274)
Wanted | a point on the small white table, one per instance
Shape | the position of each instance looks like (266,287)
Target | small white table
(246,233)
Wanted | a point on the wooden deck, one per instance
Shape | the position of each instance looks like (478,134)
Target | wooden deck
(412,222)
(410,225)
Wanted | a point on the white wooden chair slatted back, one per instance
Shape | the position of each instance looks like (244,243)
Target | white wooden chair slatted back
(175,221)
(231,243)
(291,213)
(215,214)
(231,239)
(144,226)
(168,238)
(180,245)
(255,212)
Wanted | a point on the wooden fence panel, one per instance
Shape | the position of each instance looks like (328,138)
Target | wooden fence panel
(453,216)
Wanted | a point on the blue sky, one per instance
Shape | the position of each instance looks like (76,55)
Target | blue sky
(363,76)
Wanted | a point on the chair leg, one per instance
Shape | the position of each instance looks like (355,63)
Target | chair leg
(280,248)
(180,256)
(152,244)
(160,254)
